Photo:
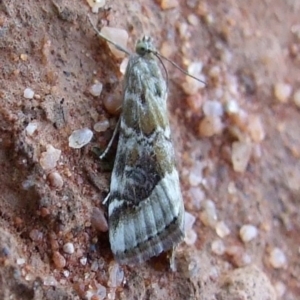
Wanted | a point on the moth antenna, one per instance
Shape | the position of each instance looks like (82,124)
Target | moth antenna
(158,55)
(165,69)
(106,38)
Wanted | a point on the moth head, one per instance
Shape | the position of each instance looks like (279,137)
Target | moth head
(144,46)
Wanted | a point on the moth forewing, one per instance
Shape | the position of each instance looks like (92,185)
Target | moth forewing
(146,213)
(145,206)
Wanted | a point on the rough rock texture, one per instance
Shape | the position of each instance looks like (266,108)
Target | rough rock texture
(244,51)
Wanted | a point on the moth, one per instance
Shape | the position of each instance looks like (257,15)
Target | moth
(145,205)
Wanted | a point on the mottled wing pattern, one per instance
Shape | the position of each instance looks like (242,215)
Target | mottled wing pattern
(146,213)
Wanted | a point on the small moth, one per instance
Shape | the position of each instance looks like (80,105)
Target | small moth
(145,206)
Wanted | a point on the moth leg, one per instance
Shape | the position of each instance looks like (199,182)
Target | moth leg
(172,262)
(104,202)
(111,140)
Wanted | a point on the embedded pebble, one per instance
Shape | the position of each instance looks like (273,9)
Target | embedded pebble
(30,277)
(282,91)
(101,126)
(197,196)
(96,89)
(246,283)
(240,156)
(113,104)
(231,188)
(166,49)
(58,260)
(24,57)
(116,275)
(68,248)
(83,260)
(98,220)
(123,65)
(96,5)
(189,221)
(214,72)
(36,235)
(49,158)
(248,232)
(21,261)
(190,85)
(167,4)
(194,102)
(277,258)
(222,229)
(210,125)
(94,266)
(280,288)
(256,129)
(196,174)
(31,128)
(193,19)
(80,138)
(213,108)
(218,247)
(50,281)
(209,214)
(55,180)
(120,36)
(66,273)
(296,98)
(28,93)
(238,256)
(232,107)
(190,237)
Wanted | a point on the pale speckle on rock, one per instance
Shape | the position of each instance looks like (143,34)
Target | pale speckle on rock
(190,237)
(96,5)
(31,128)
(222,229)
(96,89)
(49,158)
(189,221)
(28,93)
(50,281)
(210,125)
(218,247)
(118,35)
(296,98)
(101,126)
(209,214)
(123,65)
(168,4)
(116,275)
(248,232)
(190,85)
(213,108)
(68,248)
(193,19)
(80,138)
(232,107)
(240,156)
(196,173)
(83,260)
(256,129)
(282,91)
(55,180)
(280,288)
(277,258)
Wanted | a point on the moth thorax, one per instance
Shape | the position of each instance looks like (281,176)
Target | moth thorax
(144,46)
